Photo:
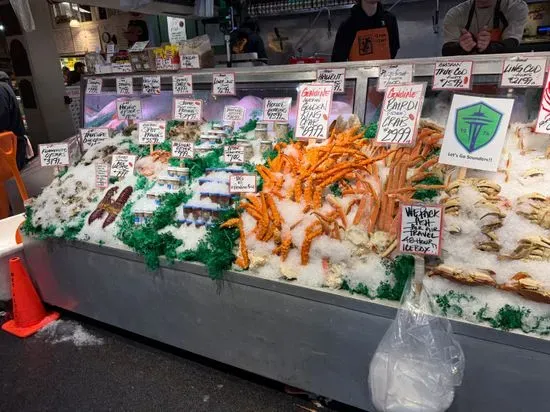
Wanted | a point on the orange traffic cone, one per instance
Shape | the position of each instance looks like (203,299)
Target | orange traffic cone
(29,314)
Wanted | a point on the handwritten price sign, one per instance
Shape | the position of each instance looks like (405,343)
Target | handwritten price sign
(400,114)
(93,86)
(543,120)
(54,154)
(138,46)
(242,183)
(522,73)
(393,75)
(233,114)
(121,67)
(314,101)
(92,137)
(122,165)
(101,175)
(233,154)
(151,132)
(277,110)
(420,229)
(453,76)
(124,86)
(182,84)
(335,76)
(188,110)
(190,61)
(128,109)
(183,150)
(223,84)
(151,85)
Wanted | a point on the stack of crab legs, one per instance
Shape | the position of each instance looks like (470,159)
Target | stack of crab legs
(349,164)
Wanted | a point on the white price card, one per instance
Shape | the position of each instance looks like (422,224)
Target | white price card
(121,67)
(420,231)
(151,85)
(122,165)
(101,175)
(521,72)
(335,76)
(314,103)
(242,183)
(233,154)
(475,132)
(453,75)
(277,110)
(54,154)
(93,86)
(183,150)
(543,120)
(188,110)
(190,61)
(176,29)
(223,84)
(400,114)
(94,136)
(124,86)
(152,132)
(182,84)
(128,109)
(396,74)
(233,113)
(139,46)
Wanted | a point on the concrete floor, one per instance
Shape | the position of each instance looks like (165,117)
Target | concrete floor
(121,372)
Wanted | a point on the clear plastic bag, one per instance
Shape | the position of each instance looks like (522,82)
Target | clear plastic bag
(23,12)
(418,363)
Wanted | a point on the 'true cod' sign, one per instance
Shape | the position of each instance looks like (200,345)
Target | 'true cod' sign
(420,229)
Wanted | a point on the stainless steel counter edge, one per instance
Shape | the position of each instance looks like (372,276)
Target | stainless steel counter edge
(376,308)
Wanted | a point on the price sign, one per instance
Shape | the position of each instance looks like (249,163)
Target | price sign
(151,132)
(128,109)
(223,84)
(233,114)
(183,150)
(54,154)
(335,76)
(93,86)
(121,67)
(124,86)
(233,154)
(314,102)
(392,75)
(176,30)
(277,110)
(188,110)
(139,46)
(182,84)
(453,75)
(543,120)
(400,114)
(101,175)
(242,183)
(92,137)
(151,85)
(421,229)
(122,165)
(521,73)
(190,61)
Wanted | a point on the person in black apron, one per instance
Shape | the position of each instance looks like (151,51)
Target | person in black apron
(484,27)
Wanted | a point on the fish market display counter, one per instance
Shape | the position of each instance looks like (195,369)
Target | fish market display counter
(308,269)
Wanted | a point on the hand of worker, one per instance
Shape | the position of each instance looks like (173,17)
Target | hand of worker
(466,41)
(483,39)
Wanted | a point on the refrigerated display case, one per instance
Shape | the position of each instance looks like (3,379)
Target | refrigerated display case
(313,325)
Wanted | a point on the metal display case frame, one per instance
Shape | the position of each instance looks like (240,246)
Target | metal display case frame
(319,340)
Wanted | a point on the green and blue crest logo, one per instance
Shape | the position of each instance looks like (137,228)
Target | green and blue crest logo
(476,125)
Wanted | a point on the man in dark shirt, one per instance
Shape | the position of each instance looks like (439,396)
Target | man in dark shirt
(10,117)
(370,33)
(74,76)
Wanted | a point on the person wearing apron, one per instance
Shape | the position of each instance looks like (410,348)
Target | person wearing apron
(370,33)
(484,27)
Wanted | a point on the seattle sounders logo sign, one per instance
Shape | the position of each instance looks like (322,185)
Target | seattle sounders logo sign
(476,125)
